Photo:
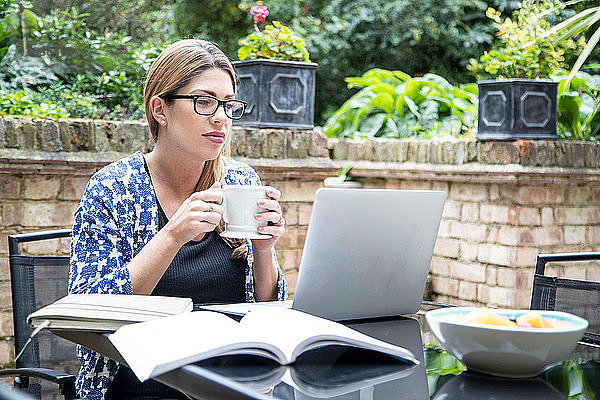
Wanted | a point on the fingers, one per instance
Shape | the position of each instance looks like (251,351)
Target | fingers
(212,218)
(273,192)
(273,213)
(213,194)
(270,205)
(273,217)
(274,230)
(199,205)
(199,213)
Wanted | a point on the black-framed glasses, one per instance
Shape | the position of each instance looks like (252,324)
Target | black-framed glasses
(208,105)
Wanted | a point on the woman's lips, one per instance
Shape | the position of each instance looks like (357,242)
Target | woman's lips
(217,137)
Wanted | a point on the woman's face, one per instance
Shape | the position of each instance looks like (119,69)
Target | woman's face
(201,136)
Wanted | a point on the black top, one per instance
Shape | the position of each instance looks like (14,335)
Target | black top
(202,270)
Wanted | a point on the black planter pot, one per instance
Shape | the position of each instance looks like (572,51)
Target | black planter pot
(280,94)
(517,109)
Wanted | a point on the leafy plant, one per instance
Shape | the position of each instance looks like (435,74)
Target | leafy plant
(75,104)
(440,365)
(11,15)
(574,26)
(523,51)
(573,379)
(67,45)
(579,106)
(19,72)
(393,104)
(342,176)
(142,19)
(276,41)
(20,103)
(349,37)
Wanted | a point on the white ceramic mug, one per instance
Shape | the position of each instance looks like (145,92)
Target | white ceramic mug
(240,205)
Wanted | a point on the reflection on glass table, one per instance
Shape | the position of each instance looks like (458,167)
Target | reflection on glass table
(339,373)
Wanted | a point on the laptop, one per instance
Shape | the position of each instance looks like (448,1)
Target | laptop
(367,254)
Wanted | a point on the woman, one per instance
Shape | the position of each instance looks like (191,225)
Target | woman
(150,224)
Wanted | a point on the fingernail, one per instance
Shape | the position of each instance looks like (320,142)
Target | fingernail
(261,203)
(261,228)
(258,216)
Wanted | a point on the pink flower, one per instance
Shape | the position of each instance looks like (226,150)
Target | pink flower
(260,13)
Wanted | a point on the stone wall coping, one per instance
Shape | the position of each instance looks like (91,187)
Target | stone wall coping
(464,169)
(314,168)
(453,151)
(76,140)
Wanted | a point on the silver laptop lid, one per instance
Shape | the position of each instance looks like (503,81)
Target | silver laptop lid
(367,252)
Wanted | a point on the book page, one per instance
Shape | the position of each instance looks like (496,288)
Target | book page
(161,345)
(295,332)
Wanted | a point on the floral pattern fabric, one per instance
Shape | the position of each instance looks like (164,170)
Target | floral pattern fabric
(117,216)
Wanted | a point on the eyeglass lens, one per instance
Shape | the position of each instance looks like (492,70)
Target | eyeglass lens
(207,105)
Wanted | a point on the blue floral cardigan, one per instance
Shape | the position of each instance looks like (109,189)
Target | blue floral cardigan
(117,216)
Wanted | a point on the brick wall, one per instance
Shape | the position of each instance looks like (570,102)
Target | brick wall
(507,201)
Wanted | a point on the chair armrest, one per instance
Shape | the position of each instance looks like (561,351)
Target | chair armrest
(46,374)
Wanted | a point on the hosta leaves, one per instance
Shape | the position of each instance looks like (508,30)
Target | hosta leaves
(392,104)
(568,113)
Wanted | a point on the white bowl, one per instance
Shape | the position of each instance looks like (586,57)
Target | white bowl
(506,351)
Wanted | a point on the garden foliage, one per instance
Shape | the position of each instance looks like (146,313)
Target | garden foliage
(88,58)
(578,107)
(275,42)
(393,104)
(348,37)
(577,26)
(85,73)
(522,50)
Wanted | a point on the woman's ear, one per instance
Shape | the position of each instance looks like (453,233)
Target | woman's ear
(158,109)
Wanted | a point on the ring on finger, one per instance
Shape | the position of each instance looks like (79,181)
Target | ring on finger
(210,208)
(281,221)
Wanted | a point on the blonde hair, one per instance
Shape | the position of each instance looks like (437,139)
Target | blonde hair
(172,70)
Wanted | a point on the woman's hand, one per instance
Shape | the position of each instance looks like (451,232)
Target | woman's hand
(198,214)
(276,226)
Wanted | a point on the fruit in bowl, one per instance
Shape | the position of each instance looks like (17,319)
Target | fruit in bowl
(530,319)
(508,343)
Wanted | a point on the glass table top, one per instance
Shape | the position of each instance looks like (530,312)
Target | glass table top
(340,373)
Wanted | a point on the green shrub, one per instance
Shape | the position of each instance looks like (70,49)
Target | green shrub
(348,37)
(76,105)
(16,21)
(19,72)
(69,47)
(143,20)
(108,67)
(522,50)
(20,103)
(392,104)
(578,107)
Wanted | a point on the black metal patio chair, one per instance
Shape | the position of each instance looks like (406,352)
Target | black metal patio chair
(37,281)
(574,296)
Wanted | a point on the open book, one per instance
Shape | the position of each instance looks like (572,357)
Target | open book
(106,312)
(282,335)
